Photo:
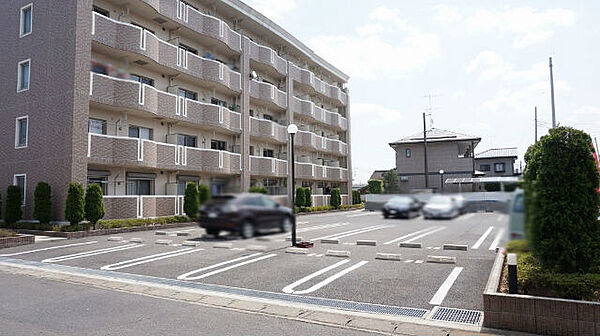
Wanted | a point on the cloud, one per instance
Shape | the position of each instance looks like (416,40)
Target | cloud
(447,14)
(526,24)
(491,66)
(273,9)
(386,46)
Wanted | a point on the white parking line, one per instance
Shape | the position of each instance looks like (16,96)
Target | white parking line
(187,276)
(482,238)
(47,248)
(353,232)
(409,235)
(290,288)
(425,234)
(441,293)
(150,258)
(92,253)
(301,222)
(364,214)
(496,240)
(321,227)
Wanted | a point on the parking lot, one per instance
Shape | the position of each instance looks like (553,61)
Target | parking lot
(264,262)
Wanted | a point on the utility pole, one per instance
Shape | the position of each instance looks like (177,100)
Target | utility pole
(425,150)
(536,124)
(552,95)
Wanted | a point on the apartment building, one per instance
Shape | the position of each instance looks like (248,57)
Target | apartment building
(497,162)
(144,96)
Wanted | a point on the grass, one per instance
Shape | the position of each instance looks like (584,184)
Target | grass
(7,233)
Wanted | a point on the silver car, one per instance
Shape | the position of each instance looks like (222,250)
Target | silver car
(441,207)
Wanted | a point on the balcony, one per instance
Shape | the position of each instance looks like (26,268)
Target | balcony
(318,114)
(268,93)
(311,141)
(127,37)
(308,79)
(268,130)
(132,152)
(268,166)
(206,25)
(267,56)
(133,95)
(318,172)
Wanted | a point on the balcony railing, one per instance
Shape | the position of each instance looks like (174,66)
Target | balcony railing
(268,56)
(134,95)
(201,23)
(268,166)
(268,92)
(308,78)
(322,144)
(133,152)
(267,129)
(318,114)
(127,37)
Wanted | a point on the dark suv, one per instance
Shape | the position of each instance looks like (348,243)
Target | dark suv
(245,214)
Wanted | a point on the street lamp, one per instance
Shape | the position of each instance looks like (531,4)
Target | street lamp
(292,130)
(442,179)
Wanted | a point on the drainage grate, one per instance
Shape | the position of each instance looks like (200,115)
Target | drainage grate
(458,315)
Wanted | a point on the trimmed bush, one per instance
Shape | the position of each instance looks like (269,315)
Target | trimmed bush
(561,202)
(120,223)
(375,186)
(13,212)
(7,233)
(300,201)
(75,207)
(356,197)
(94,204)
(335,200)
(191,203)
(492,186)
(259,190)
(203,194)
(42,202)
(307,197)
(391,184)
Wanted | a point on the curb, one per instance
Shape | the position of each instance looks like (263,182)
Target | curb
(365,242)
(410,245)
(441,259)
(296,250)
(329,241)
(104,232)
(336,253)
(388,256)
(455,247)
(163,241)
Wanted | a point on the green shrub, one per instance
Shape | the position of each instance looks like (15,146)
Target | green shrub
(94,204)
(259,190)
(391,184)
(7,233)
(335,200)
(300,201)
(492,186)
(120,223)
(351,206)
(356,197)
(375,186)
(561,202)
(203,194)
(13,212)
(307,197)
(191,203)
(74,210)
(518,246)
(510,187)
(42,202)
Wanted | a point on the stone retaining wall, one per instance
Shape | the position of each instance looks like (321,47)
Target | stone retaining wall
(19,240)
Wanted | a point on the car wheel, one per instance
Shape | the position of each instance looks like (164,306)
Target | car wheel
(385,215)
(247,230)
(213,232)
(286,224)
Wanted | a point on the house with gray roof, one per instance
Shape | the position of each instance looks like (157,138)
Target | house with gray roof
(497,162)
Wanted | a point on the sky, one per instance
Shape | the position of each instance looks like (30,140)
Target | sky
(483,63)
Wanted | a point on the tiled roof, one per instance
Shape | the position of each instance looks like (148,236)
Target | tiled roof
(436,135)
(498,152)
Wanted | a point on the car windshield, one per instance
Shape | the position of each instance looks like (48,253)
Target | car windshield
(220,200)
(440,200)
(401,200)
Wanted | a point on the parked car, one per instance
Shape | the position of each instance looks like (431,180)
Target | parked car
(402,206)
(516,213)
(245,214)
(461,203)
(440,207)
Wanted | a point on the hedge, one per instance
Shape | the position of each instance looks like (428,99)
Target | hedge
(307,197)
(492,186)
(335,200)
(13,212)
(259,190)
(191,204)
(299,201)
(31,226)
(7,233)
(356,197)
(94,205)
(375,186)
(74,211)
(42,202)
(119,223)
(327,208)
(203,194)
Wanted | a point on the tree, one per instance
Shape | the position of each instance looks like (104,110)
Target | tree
(191,202)
(13,212)
(300,201)
(75,206)
(203,194)
(375,186)
(94,205)
(335,200)
(390,182)
(561,178)
(42,202)
(356,197)
(307,198)
(259,190)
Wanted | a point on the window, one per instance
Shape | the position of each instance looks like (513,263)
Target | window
(251,150)
(20,180)
(21,130)
(218,144)
(97,126)
(99,68)
(102,181)
(188,48)
(140,132)
(187,140)
(144,28)
(187,94)
(140,183)
(408,152)
(23,76)
(101,11)
(251,112)
(26,16)
(267,152)
(142,79)
(484,167)
(499,167)
(267,117)
(216,101)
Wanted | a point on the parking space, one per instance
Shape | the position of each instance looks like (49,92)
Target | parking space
(406,279)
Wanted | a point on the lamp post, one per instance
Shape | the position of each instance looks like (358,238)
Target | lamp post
(442,180)
(292,130)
